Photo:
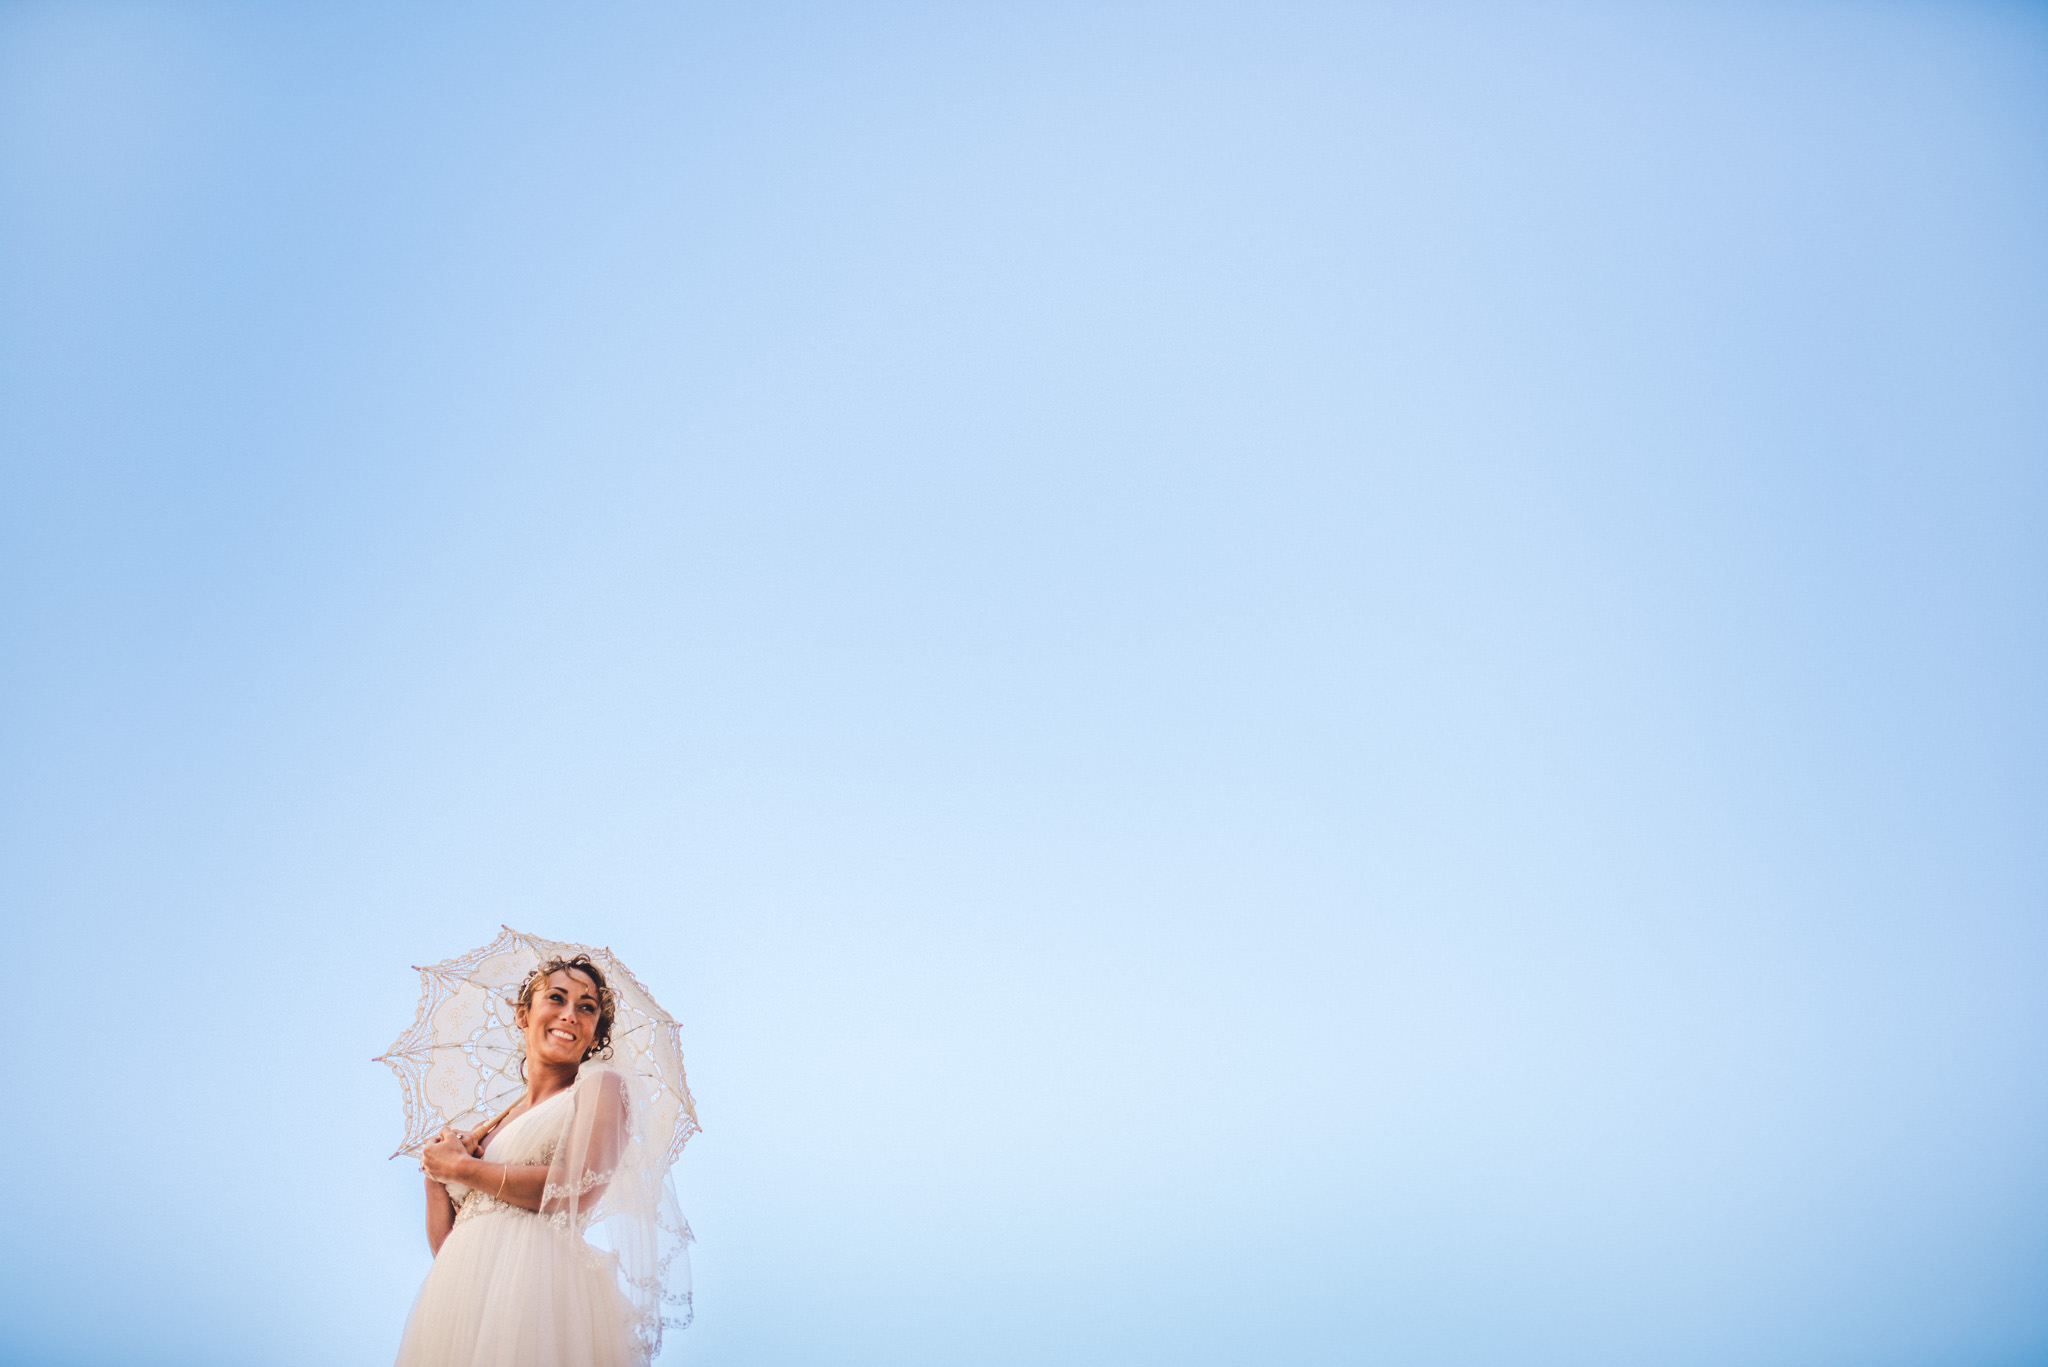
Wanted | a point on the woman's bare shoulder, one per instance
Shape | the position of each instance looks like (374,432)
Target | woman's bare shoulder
(606,1083)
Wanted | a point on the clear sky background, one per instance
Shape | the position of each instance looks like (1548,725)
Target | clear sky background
(1271,683)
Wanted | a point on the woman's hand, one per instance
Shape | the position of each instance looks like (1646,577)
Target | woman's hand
(446,1154)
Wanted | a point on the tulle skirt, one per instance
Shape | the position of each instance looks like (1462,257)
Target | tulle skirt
(510,1289)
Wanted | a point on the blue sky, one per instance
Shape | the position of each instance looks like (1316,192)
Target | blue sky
(1271,683)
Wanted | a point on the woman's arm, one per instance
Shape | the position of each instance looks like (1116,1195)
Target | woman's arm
(440,1205)
(591,1150)
(449,1160)
(440,1215)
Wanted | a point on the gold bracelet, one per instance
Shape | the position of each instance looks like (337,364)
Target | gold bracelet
(504,1171)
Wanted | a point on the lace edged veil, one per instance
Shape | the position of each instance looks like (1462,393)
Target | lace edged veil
(609,1182)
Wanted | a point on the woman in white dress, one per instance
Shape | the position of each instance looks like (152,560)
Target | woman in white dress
(513,1208)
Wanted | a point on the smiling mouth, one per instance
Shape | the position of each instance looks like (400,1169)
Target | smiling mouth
(563,1034)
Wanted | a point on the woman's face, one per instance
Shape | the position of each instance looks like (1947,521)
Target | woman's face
(562,1021)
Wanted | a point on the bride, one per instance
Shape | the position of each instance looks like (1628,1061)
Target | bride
(513,1208)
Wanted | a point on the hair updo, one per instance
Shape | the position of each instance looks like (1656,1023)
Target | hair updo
(607,1000)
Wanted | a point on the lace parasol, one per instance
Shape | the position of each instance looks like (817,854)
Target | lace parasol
(459,1061)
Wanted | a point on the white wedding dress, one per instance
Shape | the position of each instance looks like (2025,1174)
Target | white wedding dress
(519,1288)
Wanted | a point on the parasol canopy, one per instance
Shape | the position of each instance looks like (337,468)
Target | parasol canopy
(459,1061)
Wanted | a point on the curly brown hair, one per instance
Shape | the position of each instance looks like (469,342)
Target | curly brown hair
(607,1000)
